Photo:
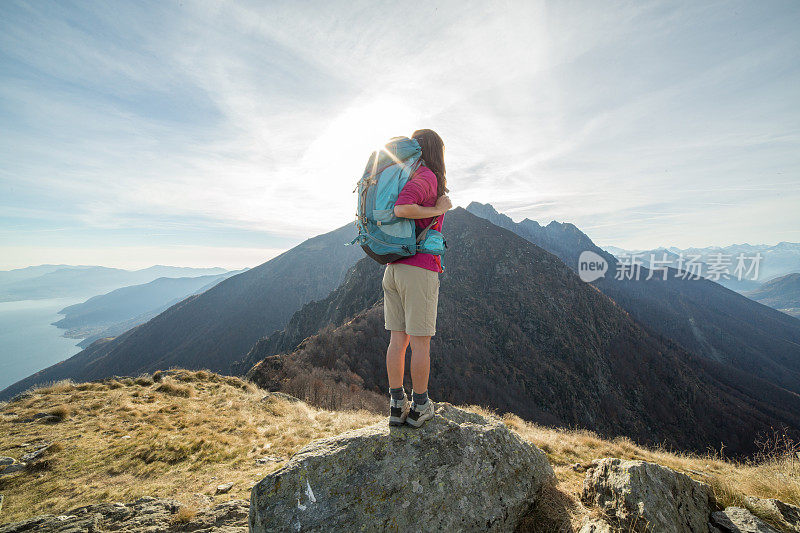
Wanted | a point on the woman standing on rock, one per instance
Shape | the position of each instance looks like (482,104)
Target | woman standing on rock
(411,287)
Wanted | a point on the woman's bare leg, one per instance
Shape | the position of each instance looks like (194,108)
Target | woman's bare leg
(396,358)
(420,363)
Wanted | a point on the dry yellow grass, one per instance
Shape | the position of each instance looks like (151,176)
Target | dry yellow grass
(62,411)
(184,515)
(125,438)
(179,434)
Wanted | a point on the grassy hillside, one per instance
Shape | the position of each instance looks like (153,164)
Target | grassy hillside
(184,433)
(182,436)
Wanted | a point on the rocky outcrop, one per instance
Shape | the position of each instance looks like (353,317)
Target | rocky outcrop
(143,515)
(224,488)
(596,525)
(642,496)
(459,472)
(29,461)
(12,469)
(788,516)
(739,520)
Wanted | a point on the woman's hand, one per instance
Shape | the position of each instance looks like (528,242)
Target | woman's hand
(443,204)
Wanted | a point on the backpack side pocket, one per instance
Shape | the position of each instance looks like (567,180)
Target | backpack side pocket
(433,243)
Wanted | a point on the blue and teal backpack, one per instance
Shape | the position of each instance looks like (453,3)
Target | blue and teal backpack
(382,235)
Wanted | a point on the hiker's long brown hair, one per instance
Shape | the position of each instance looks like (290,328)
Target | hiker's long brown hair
(433,156)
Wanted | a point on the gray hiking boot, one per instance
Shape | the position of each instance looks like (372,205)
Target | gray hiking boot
(398,410)
(418,415)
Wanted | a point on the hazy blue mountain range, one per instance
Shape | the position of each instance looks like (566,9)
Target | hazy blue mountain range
(59,281)
(18,274)
(217,328)
(705,318)
(113,313)
(781,293)
(776,260)
(519,331)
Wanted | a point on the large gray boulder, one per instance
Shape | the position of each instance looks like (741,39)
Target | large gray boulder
(642,496)
(459,472)
(788,516)
(739,520)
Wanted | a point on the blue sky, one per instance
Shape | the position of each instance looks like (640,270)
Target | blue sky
(221,133)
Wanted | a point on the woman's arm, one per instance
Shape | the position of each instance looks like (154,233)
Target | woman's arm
(415,211)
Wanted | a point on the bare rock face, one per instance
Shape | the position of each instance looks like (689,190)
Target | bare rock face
(739,520)
(12,469)
(145,515)
(781,513)
(459,472)
(224,488)
(644,496)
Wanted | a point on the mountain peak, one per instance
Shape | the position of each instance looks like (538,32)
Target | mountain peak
(484,209)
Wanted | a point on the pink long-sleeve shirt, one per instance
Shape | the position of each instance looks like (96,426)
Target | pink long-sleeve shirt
(421,189)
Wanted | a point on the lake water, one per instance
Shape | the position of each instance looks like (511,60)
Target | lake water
(28,343)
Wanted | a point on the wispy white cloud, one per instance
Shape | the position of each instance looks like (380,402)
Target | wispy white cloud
(260,116)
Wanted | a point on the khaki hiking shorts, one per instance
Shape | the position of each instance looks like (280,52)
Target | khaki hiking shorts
(410,298)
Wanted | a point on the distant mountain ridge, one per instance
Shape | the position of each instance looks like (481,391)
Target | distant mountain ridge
(776,260)
(356,293)
(562,239)
(59,281)
(113,313)
(17,274)
(217,328)
(518,331)
(781,293)
(703,317)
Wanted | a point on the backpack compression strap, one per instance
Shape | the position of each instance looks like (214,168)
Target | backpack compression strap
(425,231)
